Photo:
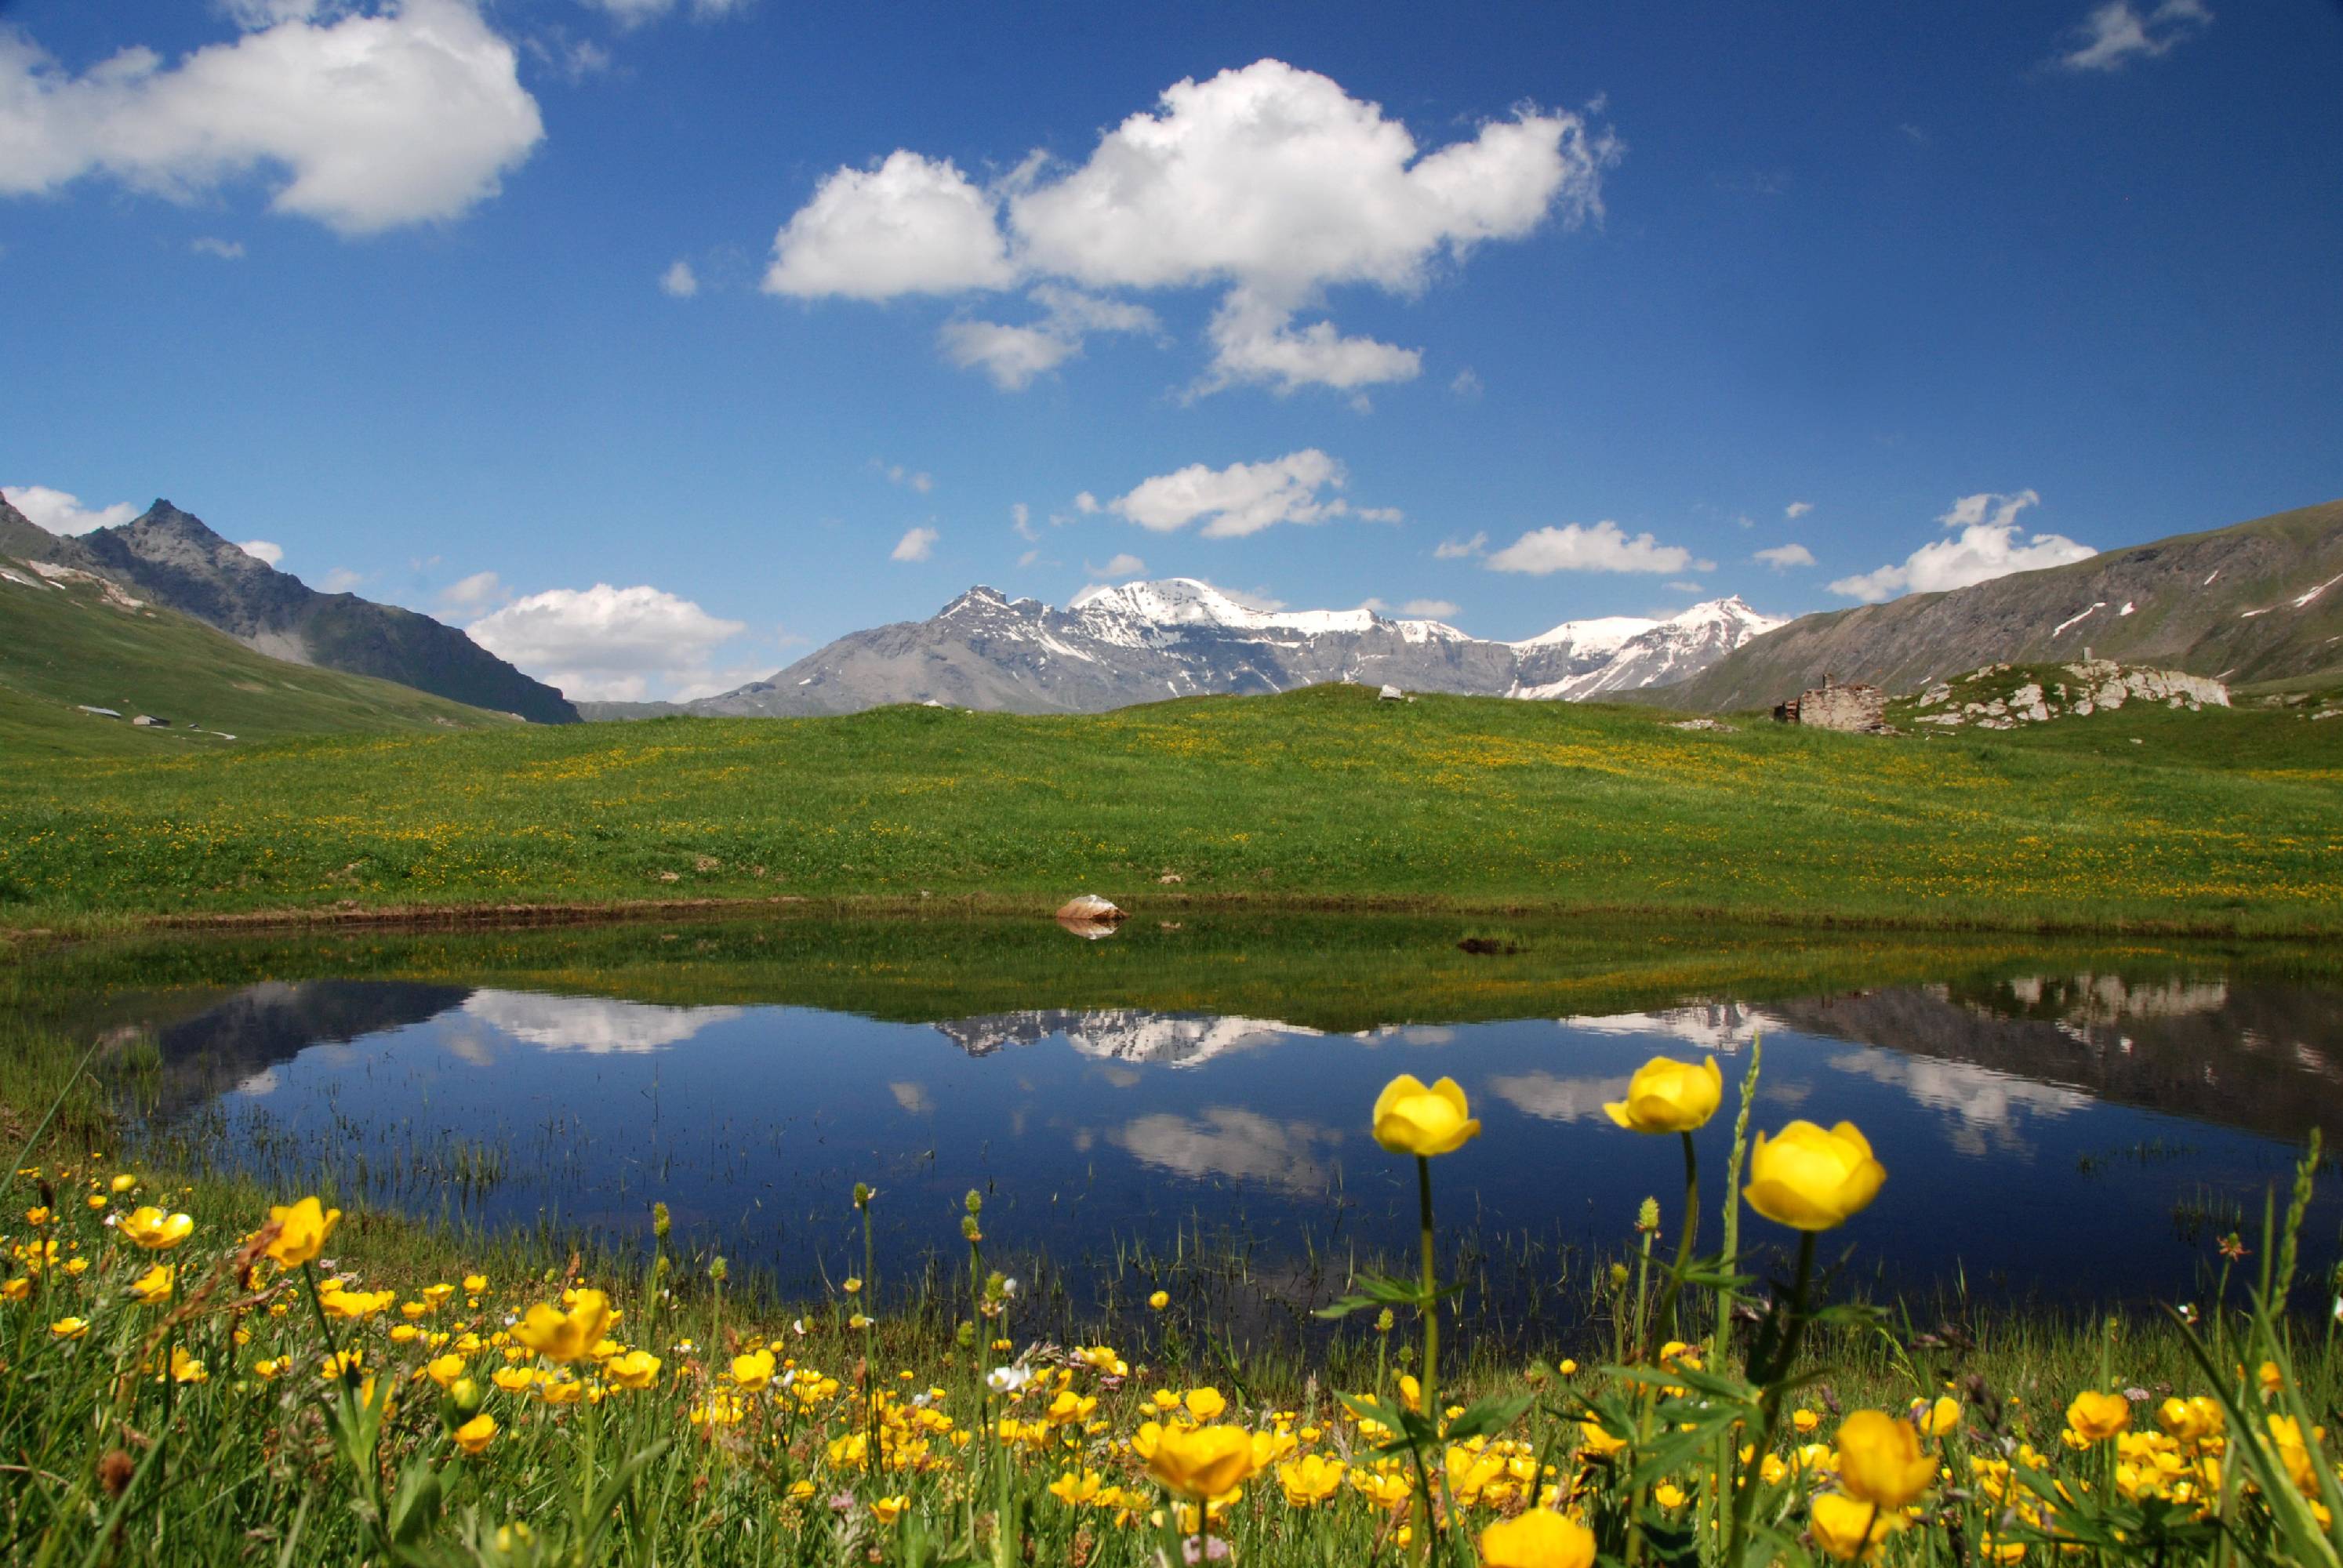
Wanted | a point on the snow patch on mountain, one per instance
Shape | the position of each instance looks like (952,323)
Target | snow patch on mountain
(1140,641)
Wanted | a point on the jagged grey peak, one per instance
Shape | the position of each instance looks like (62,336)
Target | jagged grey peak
(173,558)
(1145,641)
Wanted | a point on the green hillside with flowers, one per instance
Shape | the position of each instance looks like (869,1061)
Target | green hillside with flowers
(2223,822)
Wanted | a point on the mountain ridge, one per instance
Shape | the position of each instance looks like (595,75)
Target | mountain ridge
(2257,600)
(1147,640)
(172,557)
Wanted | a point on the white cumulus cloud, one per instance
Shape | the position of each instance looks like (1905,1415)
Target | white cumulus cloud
(1604,547)
(1013,355)
(604,643)
(679,281)
(1269,182)
(1436,608)
(1783,557)
(264,551)
(470,595)
(370,119)
(2117,33)
(912,226)
(916,545)
(1244,498)
(1988,544)
(61,513)
(1460,549)
(1797,509)
(908,479)
(224,249)
(1125,565)
(635,13)
(341,580)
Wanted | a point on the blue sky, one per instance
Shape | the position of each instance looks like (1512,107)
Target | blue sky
(608,326)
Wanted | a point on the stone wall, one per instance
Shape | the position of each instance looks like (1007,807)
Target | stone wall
(1831,705)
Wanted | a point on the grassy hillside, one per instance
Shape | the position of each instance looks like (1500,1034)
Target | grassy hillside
(72,643)
(2216,822)
(2258,601)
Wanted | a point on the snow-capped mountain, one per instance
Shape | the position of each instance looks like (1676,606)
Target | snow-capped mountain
(1122,1034)
(1145,641)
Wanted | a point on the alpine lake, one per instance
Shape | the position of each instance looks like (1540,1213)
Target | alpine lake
(2064,1122)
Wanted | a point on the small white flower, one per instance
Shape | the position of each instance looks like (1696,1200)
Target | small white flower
(1008,1290)
(1008,1379)
(798,1328)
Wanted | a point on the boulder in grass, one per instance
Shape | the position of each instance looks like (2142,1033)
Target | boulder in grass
(1391,694)
(1091,909)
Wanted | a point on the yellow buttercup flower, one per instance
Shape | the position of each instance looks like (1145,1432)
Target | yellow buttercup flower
(124,1182)
(1812,1180)
(69,1328)
(1880,1461)
(475,1435)
(1593,1441)
(1205,1404)
(304,1227)
(1540,1538)
(1941,1418)
(186,1368)
(445,1370)
(2095,1416)
(513,1380)
(1410,1119)
(887,1510)
(156,1231)
(564,1336)
(1667,1096)
(635,1370)
(2190,1420)
(1202,1462)
(1848,1528)
(1160,1300)
(153,1288)
(753,1371)
(1309,1480)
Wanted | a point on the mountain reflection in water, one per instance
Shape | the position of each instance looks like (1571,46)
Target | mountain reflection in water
(1997,1105)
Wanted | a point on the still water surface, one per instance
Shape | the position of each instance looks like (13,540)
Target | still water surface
(2081,1126)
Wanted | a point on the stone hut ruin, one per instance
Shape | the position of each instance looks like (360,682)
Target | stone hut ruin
(1860,709)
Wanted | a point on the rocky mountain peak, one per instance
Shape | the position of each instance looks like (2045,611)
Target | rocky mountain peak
(1145,640)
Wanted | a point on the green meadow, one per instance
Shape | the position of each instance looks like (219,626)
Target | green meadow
(2143,820)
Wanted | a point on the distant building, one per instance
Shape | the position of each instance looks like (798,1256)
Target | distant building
(1859,707)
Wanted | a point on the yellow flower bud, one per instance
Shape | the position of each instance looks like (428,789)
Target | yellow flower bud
(2095,1416)
(1410,1119)
(1202,1462)
(1666,1096)
(1812,1180)
(1880,1461)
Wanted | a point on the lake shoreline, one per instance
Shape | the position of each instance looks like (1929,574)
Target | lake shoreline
(2261,926)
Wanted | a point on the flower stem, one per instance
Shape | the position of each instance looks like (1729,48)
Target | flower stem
(1431,1383)
(1776,1372)
(1664,1321)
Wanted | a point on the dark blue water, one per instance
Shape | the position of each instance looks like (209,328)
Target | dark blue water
(2071,1136)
